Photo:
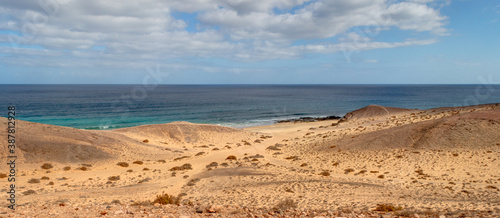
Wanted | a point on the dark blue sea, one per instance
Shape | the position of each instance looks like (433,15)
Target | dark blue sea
(117,106)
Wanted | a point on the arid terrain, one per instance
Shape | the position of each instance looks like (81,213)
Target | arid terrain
(376,161)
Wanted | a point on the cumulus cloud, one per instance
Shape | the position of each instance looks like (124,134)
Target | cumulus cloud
(118,32)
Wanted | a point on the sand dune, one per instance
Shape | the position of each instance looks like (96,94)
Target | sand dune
(373,111)
(441,161)
(462,131)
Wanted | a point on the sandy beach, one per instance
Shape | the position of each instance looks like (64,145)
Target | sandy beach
(376,161)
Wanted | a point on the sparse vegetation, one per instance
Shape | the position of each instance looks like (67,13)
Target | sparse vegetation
(34,180)
(213,164)
(200,153)
(51,183)
(165,199)
(273,148)
(29,192)
(47,166)
(45,178)
(491,187)
(138,162)
(231,157)
(387,208)
(83,168)
(325,173)
(114,178)
(122,164)
(67,168)
(145,141)
(161,161)
(186,166)
(145,169)
(380,176)
(3,175)
(348,170)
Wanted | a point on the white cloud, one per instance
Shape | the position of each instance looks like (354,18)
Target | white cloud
(244,30)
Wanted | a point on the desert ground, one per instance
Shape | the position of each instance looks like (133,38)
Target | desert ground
(376,161)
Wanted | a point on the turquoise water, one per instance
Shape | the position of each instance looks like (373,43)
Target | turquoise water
(117,106)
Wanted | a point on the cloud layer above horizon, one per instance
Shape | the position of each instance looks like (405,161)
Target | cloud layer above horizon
(134,33)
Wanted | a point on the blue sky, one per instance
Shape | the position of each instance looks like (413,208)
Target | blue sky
(250,42)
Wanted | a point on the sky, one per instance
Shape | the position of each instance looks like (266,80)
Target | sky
(249,42)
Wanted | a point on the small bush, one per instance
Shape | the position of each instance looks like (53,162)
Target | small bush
(186,166)
(138,162)
(161,161)
(213,164)
(348,170)
(145,169)
(34,181)
(47,166)
(231,157)
(3,175)
(380,176)
(145,141)
(45,178)
(83,168)
(325,173)
(200,153)
(67,168)
(114,178)
(122,164)
(165,199)
(387,208)
(29,192)
(285,205)
(51,183)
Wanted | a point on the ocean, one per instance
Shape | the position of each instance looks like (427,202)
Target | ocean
(118,106)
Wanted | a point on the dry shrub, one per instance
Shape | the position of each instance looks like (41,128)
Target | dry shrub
(122,164)
(83,168)
(348,170)
(45,178)
(325,173)
(34,181)
(3,175)
(145,141)
(285,205)
(387,208)
(186,166)
(200,153)
(165,199)
(213,164)
(29,192)
(67,168)
(161,161)
(231,157)
(380,176)
(51,183)
(138,162)
(47,166)
(114,178)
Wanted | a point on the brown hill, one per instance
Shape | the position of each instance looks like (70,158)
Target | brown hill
(374,111)
(38,142)
(469,130)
